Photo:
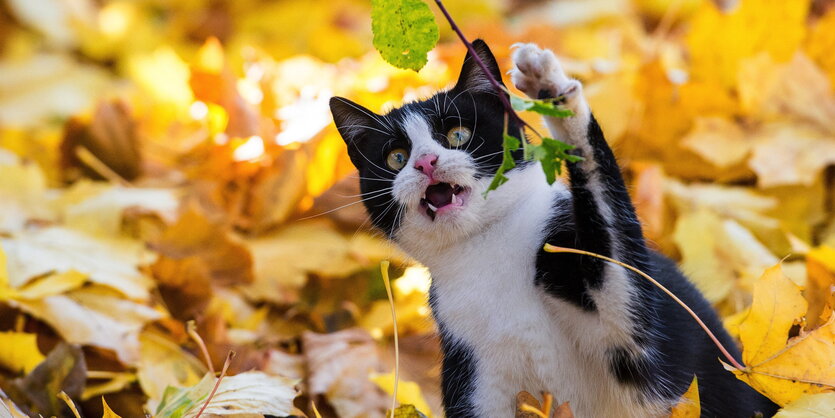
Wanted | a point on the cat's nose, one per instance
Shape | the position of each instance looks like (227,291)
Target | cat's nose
(426,164)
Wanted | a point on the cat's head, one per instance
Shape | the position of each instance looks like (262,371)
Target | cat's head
(424,166)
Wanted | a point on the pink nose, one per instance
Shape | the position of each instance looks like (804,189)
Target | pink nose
(426,163)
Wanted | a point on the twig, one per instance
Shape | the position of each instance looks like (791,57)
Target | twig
(192,332)
(384,268)
(554,249)
(217,384)
(495,83)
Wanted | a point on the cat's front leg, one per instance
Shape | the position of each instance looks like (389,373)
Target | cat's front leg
(599,218)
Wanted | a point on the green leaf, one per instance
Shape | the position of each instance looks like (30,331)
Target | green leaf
(547,107)
(551,153)
(511,143)
(404,32)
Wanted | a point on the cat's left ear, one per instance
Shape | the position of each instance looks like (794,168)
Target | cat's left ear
(472,76)
(352,119)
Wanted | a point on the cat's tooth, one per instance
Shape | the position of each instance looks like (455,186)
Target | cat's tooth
(454,200)
(431,207)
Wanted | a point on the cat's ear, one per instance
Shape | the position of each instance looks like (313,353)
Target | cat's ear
(472,76)
(352,119)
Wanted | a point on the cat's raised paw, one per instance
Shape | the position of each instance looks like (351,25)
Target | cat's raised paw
(538,73)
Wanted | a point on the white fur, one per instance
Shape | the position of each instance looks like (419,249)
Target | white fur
(482,261)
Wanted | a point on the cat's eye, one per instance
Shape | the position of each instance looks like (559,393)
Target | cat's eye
(458,136)
(397,158)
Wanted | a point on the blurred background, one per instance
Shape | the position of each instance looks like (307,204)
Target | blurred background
(166,161)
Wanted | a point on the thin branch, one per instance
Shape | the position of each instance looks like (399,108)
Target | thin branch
(554,249)
(495,83)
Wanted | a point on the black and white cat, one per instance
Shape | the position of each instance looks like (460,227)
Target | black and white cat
(511,316)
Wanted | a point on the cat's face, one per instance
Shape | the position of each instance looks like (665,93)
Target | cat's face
(423,167)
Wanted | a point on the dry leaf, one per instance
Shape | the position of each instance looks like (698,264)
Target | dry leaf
(718,42)
(19,351)
(94,316)
(408,393)
(195,235)
(339,366)
(817,405)
(112,262)
(244,395)
(689,406)
(781,368)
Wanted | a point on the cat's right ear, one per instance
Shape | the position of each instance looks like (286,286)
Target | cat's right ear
(352,119)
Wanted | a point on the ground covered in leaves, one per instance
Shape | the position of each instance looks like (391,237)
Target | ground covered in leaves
(172,190)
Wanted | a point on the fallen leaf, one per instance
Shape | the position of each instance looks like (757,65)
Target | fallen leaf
(689,406)
(108,413)
(339,365)
(743,32)
(19,351)
(816,405)
(63,370)
(406,411)
(111,138)
(820,288)
(114,382)
(718,140)
(44,86)
(772,91)
(113,263)
(408,393)
(790,154)
(163,363)
(225,257)
(779,367)
(94,316)
(242,395)
(8,407)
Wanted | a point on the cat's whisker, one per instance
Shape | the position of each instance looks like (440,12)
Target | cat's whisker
(369,128)
(344,206)
(370,179)
(361,194)
(375,165)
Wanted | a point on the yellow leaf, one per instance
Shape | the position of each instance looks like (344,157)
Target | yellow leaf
(116,381)
(19,351)
(407,392)
(783,369)
(821,43)
(719,41)
(818,405)
(777,305)
(107,412)
(689,406)
(54,284)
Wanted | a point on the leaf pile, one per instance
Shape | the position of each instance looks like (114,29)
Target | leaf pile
(162,162)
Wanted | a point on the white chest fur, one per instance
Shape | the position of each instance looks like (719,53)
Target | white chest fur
(522,339)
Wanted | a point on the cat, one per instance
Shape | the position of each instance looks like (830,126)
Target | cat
(512,317)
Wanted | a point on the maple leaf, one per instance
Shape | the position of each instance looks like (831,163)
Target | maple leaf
(780,367)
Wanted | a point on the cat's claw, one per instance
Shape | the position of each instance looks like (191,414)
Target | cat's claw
(538,73)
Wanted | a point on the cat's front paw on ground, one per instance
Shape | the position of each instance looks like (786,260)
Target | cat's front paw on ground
(538,73)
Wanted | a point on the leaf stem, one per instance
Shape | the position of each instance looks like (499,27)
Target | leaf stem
(554,249)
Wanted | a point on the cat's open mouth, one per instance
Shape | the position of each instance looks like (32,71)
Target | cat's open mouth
(441,197)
